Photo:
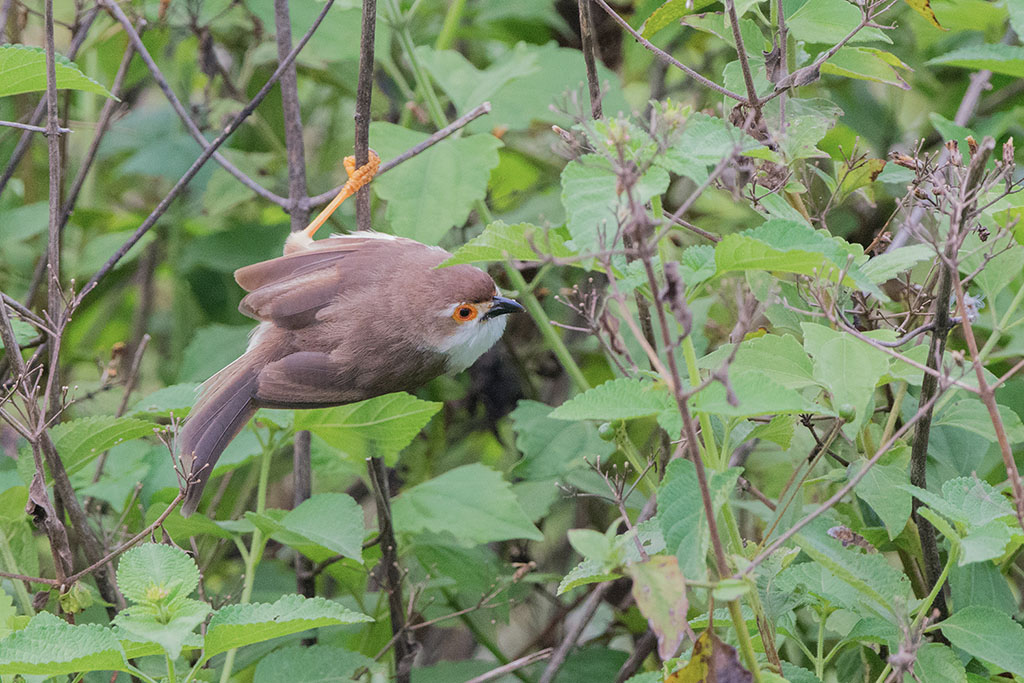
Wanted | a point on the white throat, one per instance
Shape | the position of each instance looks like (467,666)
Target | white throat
(470,342)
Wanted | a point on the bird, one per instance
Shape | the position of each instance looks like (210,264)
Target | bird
(341,320)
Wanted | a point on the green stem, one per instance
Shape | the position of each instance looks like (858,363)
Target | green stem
(170,670)
(819,659)
(547,330)
(451,25)
(10,565)
(706,432)
(646,485)
(926,605)
(743,634)
(419,74)
(255,551)
(897,405)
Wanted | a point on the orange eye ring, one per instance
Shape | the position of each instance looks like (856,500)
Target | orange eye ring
(464,313)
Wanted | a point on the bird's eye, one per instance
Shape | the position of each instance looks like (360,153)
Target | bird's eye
(464,313)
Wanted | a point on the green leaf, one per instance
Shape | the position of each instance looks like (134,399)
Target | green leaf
(937,663)
(211,348)
(553,447)
(622,398)
(890,264)
(174,400)
(468,86)
(585,573)
(697,264)
(779,431)
(981,583)
(237,625)
(378,427)
(169,626)
(669,13)
(791,247)
(319,663)
(81,441)
(971,414)
(996,57)
(592,545)
(473,503)
(499,242)
(152,571)
(778,357)
(924,8)
(867,64)
(659,589)
(755,394)
(324,525)
(23,69)
(704,142)
(829,21)
(880,488)
(681,513)
(882,588)
(821,584)
(807,122)
(49,646)
(434,191)
(989,635)
(850,368)
(986,542)
(858,175)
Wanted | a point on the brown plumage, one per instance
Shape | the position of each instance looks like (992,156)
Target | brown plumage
(342,320)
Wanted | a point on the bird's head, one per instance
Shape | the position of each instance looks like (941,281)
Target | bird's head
(470,315)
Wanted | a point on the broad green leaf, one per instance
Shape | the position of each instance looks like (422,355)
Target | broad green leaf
(697,264)
(594,205)
(320,663)
(49,646)
(473,503)
(23,69)
(499,242)
(849,368)
(890,264)
(553,447)
(670,12)
(153,572)
(807,122)
(778,357)
(659,589)
(880,488)
(937,663)
(468,86)
(622,398)
(996,57)
(434,191)
(755,394)
(175,400)
(137,646)
(985,542)
(323,525)
(211,348)
(23,331)
(585,573)
(378,427)
(81,441)
(829,21)
(976,500)
(592,545)
(868,64)
(170,626)
(981,583)
(972,415)
(857,176)
(819,582)
(779,431)
(988,634)
(791,247)
(237,625)
(681,513)
(624,549)
(924,8)
(704,142)
(882,588)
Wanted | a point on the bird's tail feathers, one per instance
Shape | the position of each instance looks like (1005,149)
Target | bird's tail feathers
(224,407)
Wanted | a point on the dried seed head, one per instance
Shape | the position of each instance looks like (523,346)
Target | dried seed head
(972,144)
(1008,153)
(953,147)
(904,160)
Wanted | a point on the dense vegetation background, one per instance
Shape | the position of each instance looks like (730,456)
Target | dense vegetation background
(761,422)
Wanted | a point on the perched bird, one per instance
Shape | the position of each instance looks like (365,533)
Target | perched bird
(342,319)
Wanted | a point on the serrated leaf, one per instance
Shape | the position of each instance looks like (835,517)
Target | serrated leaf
(704,142)
(659,589)
(670,12)
(850,370)
(585,573)
(779,431)
(553,447)
(989,635)
(622,398)
(829,21)
(996,57)
(867,64)
(473,503)
(324,525)
(378,427)
(779,357)
(49,646)
(985,542)
(815,580)
(755,394)
(791,247)
(81,441)
(937,663)
(23,69)
(592,545)
(971,415)
(434,191)
(170,628)
(237,625)
(890,264)
(499,242)
(319,663)
(697,264)
(152,572)
(880,488)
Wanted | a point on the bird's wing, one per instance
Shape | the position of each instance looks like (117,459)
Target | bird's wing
(289,290)
(306,379)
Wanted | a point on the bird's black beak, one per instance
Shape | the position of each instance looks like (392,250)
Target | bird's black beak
(502,306)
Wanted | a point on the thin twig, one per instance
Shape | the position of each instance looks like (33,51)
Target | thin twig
(115,10)
(586,613)
(665,57)
(364,94)
(589,57)
(162,207)
(31,128)
(514,665)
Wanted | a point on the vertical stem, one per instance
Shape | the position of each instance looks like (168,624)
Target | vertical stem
(364,94)
(589,57)
(451,24)
(54,301)
(298,208)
